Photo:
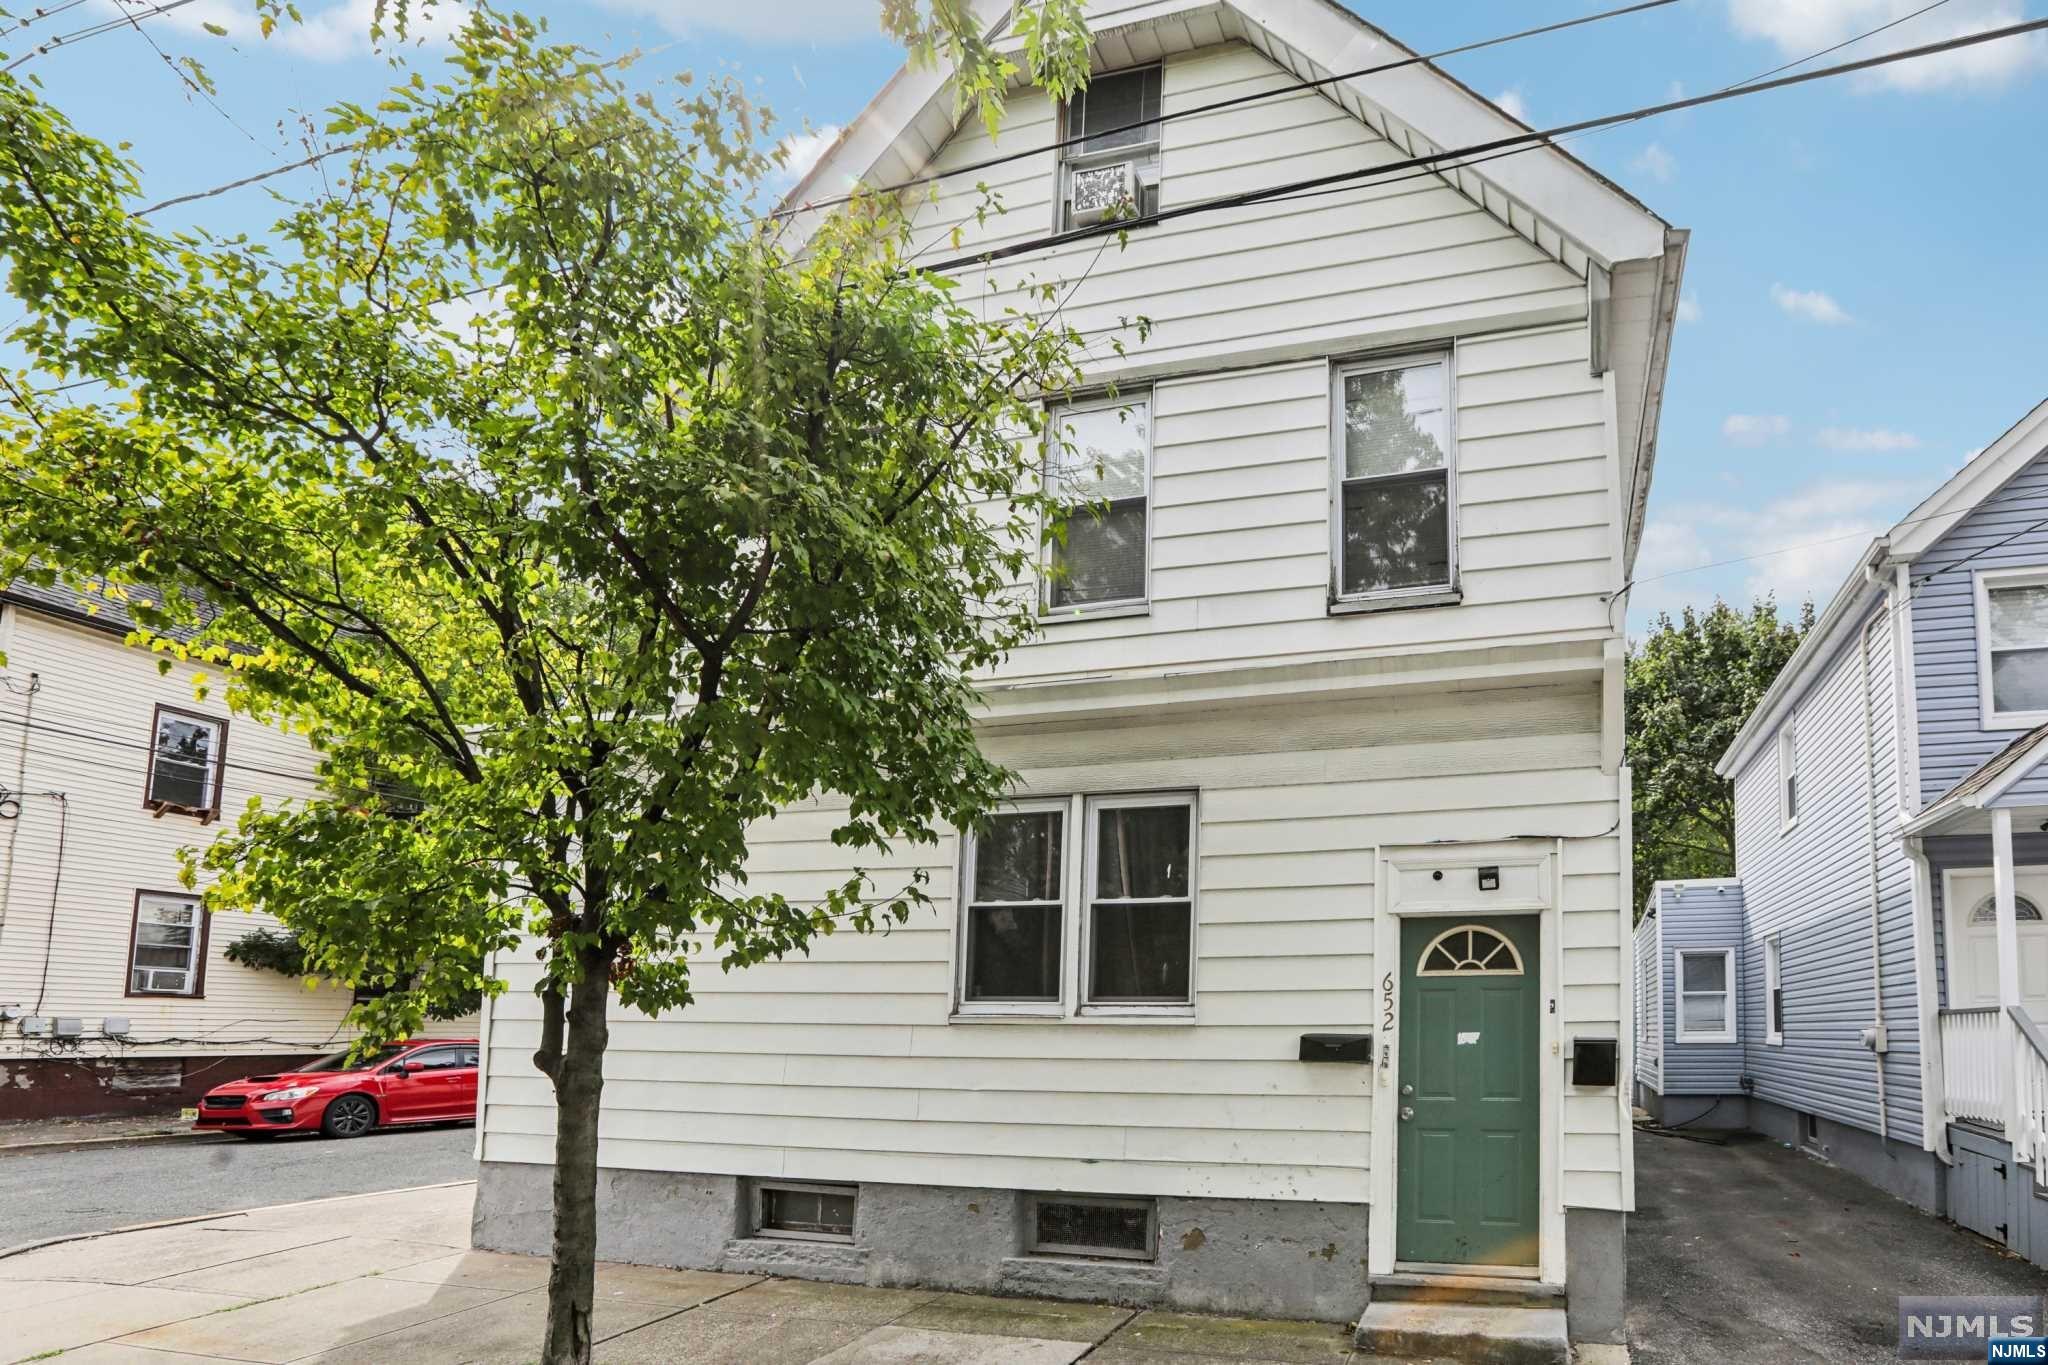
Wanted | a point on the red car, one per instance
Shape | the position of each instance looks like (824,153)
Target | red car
(427,1080)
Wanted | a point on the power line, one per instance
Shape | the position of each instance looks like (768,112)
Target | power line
(1296,87)
(94,30)
(101,737)
(1518,141)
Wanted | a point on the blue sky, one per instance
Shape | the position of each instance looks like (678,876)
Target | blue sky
(1865,307)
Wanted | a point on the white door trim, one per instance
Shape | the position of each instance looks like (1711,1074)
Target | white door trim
(1542,898)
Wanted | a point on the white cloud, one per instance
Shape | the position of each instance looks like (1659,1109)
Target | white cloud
(1656,163)
(331,34)
(1512,102)
(801,152)
(808,21)
(1794,547)
(1810,304)
(1879,439)
(1799,28)
(1755,429)
(1689,308)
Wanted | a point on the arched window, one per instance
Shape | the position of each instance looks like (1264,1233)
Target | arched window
(1987,910)
(1469,950)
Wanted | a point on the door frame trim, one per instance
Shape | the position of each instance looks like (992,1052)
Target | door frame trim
(1383,1176)
(1950,939)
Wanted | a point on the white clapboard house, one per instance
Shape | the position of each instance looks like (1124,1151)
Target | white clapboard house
(1322,736)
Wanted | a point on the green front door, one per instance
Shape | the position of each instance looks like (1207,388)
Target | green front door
(1468,1135)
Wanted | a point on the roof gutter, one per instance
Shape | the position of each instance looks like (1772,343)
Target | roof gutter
(1864,585)
(1670,276)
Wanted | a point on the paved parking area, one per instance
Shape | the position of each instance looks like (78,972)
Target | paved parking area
(383,1277)
(1752,1253)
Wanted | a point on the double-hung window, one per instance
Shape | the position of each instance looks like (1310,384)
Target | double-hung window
(2012,647)
(1774,992)
(1392,516)
(1098,459)
(186,754)
(167,949)
(1110,168)
(1706,995)
(1080,904)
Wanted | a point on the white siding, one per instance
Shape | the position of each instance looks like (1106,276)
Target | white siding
(1241,501)
(844,1066)
(90,739)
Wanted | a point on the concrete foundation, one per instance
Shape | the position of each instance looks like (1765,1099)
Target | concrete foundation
(1901,1167)
(1596,1271)
(1694,1111)
(1275,1259)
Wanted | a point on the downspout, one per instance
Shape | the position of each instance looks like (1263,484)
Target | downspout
(1870,819)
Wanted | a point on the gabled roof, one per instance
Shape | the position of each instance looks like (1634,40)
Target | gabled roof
(1919,531)
(1571,212)
(1982,789)
(97,605)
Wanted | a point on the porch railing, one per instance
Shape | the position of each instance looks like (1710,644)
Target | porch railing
(1974,1068)
(2030,1087)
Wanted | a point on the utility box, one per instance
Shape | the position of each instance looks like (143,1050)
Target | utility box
(115,1026)
(69,1028)
(35,1026)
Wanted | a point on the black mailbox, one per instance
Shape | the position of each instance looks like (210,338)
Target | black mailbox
(1336,1047)
(1596,1061)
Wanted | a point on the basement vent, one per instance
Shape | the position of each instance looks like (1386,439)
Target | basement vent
(810,1213)
(1064,1225)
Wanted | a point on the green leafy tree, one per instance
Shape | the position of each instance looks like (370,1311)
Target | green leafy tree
(529,475)
(1691,684)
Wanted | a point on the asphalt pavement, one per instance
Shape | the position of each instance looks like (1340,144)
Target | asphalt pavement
(1750,1254)
(59,1193)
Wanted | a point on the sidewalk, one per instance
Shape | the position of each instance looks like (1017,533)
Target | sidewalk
(24,1135)
(383,1277)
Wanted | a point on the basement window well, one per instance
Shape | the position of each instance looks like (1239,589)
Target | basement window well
(809,1213)
(1063,1225)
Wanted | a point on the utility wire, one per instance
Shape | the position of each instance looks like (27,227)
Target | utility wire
(93,30)
(1518,141)
(932,177)
(102,737)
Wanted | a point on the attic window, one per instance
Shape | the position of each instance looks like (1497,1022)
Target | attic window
(187,752)
(1113,172)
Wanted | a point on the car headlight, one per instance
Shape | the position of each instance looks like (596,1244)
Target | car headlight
(297,1092)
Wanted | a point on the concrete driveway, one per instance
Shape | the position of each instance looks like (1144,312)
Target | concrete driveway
(1750,1252)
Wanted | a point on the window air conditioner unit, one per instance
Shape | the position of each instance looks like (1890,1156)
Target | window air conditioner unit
(1100,192)
(165,980)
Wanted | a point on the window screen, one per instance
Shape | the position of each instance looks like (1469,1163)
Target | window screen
(1096,460)
(165,959)
(818,1212)
(1016,902)
(2019,647)
(1394,513)
(1140,914)
(1104,112)
(1093,1227)
(184,761)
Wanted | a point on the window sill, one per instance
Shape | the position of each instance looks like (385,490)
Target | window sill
(1774,1042)
(1137,1014)
(2012,720)
(1717,1040)
(1050,616)
(1786,827)
(1050,1015)
(1358,606)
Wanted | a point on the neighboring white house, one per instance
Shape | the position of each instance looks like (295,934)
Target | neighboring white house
(114,991)
(1322,736)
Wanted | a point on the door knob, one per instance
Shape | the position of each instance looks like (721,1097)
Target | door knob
(1407,1112)
(1407,1089)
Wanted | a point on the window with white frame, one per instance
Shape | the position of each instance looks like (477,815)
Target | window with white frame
(1774,992)
(1392,513)
(2012,647)
(1788,773)
(186,754)
(1706,998)
(168,945)
(1109,169)
(1112,911)
(1098,458)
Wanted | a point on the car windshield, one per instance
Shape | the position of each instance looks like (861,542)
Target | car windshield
(339,1061)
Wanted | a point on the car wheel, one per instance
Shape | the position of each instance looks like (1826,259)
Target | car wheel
(349,1116)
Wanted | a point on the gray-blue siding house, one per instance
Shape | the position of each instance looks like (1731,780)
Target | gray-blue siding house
(1873,983)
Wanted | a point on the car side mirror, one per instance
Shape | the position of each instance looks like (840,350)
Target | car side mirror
(407,1068)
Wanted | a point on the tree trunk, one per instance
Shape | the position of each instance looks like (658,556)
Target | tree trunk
(578,1087)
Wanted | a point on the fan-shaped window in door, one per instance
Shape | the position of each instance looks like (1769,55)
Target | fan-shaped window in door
(1469,950)
(1987,910)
